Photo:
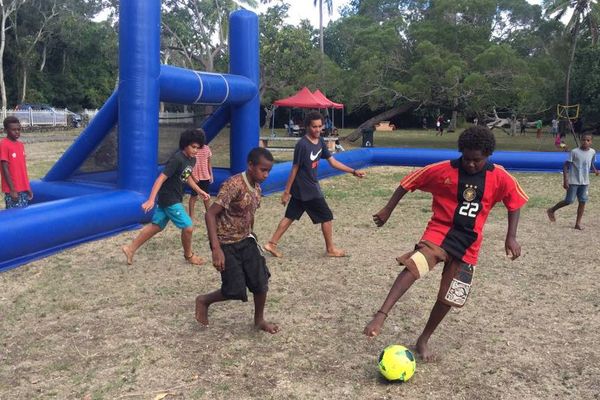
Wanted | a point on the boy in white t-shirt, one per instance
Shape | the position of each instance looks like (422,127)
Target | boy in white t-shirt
(576,178)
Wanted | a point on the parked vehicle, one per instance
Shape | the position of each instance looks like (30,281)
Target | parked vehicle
(40,114)
(34,107)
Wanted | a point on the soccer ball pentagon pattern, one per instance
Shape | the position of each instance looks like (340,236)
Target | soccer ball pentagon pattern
(397,363)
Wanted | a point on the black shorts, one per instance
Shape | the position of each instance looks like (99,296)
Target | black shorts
(204,185)
(245,266)
(317,209)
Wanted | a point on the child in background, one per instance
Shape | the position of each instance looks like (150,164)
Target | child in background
(464,191)
(202,174)
(576,178)
(538,129)
(15,181)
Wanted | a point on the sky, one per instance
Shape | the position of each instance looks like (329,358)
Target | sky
(305,9)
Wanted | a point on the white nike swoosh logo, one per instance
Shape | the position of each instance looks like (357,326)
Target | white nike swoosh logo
(313,157)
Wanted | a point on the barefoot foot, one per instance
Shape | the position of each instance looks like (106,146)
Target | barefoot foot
(336,253)
(194,259)
(271,247)
(128,253)
(201,311)
(373,328)
(551,215)
(267,327)
(423,351)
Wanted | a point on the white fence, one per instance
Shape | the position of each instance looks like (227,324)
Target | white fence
(42,118)
(165,118)
(33,118)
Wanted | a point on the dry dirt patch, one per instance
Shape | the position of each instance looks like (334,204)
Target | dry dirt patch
(82,324)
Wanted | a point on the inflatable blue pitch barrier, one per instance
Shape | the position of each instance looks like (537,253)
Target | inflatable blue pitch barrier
(82,212)
(73,208)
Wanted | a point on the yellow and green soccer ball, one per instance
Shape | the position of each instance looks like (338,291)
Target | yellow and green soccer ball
(397,363)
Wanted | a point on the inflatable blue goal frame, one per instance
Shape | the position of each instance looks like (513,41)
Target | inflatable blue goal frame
(72,208)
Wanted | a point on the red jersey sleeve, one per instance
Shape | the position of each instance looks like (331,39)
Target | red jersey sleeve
(3,152)
(424,179)
(513,196)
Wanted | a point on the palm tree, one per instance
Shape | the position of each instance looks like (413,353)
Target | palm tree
(329,4)
(585,16)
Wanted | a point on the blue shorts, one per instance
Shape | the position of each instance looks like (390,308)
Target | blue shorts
(581,191)
(21,202)
(175,213)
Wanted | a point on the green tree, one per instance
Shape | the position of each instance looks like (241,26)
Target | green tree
(8,8)
(584,20)
(586,83)
(197,29)
(286,52)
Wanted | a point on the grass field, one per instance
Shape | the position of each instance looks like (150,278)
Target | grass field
(83,325)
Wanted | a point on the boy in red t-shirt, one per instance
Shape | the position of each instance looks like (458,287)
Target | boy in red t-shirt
(15,182)
(464,191)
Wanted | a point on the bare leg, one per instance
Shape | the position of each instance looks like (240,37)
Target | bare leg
(332,251)
(146,233)
(438,313)
(192,206)
(186,241)
(259,320)
(580,210)
(206,204)
(404,281)
(271,246)
(202,304)
(556,207)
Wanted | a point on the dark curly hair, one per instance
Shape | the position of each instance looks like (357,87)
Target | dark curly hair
(477,138)
(312,116)
(190,136)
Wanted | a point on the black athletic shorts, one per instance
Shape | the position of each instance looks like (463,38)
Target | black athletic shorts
(317,209)
(245,266)
(204,185)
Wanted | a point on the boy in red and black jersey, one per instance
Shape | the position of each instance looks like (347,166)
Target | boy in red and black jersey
(464,192)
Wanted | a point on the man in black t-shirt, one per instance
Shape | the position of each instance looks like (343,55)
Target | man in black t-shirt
(302,191)
(169,189)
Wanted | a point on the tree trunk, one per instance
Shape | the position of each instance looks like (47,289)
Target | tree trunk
(570,66)
(44,54)
(453,121)
(513,125)
(269,111)
(24,86)
(2,47)
(356,134)
(321,27)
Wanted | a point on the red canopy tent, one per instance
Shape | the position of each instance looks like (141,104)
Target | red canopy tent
(305,99)
(321,97)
